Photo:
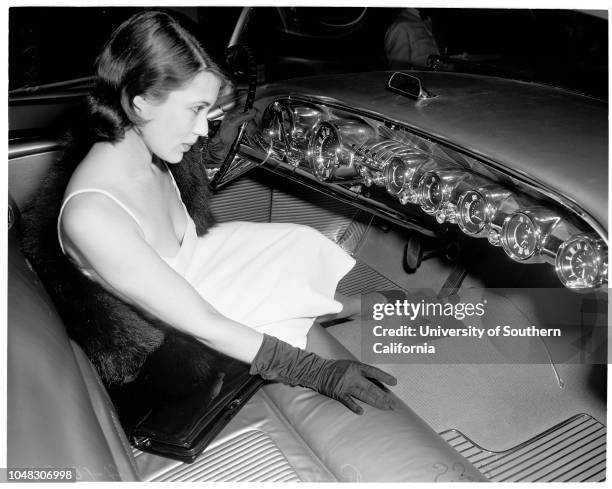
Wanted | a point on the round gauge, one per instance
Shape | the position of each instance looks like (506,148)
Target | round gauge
(520,236)
(325,148)
(430,192)
(472,212)
(397,175)
(580,263)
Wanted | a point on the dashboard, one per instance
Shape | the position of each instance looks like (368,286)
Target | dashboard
(360,153)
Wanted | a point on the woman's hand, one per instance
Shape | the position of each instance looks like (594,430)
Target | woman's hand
(344,379)
(339,379)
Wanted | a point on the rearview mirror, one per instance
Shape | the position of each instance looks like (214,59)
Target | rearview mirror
(407,85)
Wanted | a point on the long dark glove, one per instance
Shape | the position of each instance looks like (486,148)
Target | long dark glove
(338,379)
(219,145)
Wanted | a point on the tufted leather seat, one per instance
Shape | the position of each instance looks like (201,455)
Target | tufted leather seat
(59,415)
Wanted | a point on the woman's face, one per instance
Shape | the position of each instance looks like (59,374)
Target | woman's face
(174,125)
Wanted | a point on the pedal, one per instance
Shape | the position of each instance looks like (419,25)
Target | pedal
(455,279)
(413,254)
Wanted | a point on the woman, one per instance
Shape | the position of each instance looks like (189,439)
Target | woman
(239,287)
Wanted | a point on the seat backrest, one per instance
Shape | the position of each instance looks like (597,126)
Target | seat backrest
(58,413)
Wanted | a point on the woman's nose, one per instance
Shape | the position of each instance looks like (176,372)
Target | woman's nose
(201,125)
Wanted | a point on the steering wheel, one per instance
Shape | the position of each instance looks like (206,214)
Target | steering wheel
(242,63)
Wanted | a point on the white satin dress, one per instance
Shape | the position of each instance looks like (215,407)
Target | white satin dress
(273,277)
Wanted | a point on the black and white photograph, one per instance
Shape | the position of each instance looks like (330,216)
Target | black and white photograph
(307,243)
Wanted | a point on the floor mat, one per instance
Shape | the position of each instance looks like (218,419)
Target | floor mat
(573,451)
(362,279)
(496,404)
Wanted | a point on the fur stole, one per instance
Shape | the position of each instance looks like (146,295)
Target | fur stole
(123,343)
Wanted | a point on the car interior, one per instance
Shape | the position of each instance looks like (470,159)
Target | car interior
(60,415)
(491,411)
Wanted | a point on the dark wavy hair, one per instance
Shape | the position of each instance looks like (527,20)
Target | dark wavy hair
(150,55)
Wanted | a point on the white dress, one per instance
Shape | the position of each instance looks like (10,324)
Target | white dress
(273,277)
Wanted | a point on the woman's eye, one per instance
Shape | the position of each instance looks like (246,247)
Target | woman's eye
(198,109)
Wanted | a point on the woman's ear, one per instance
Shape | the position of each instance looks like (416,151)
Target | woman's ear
(142,107)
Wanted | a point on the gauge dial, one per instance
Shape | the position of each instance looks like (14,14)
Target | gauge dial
(520,237)
(325,150)
(472,212)
(397,175)
(580,263)
(430,192)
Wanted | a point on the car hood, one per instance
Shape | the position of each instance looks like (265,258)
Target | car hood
(555,137)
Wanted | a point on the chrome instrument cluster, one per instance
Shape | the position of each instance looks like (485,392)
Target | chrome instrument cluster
(336,146)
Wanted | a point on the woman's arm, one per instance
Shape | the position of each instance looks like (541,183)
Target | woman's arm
(99,232)
(109,240)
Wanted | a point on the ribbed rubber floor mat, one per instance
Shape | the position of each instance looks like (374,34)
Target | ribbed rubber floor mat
(249,457)
(362,278)
(248,199)
(351,239)
(323,213)
(572,451)
(245,199)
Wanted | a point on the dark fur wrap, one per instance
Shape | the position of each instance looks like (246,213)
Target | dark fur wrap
(121,341)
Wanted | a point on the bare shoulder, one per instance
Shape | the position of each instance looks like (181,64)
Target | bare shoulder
(101,168)
(93,208)
(93,218)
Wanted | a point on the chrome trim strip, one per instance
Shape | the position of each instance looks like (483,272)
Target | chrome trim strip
(25,147)
(55,97)
(569,204)
(62,84)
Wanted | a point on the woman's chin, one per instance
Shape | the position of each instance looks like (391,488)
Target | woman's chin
(174,157)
